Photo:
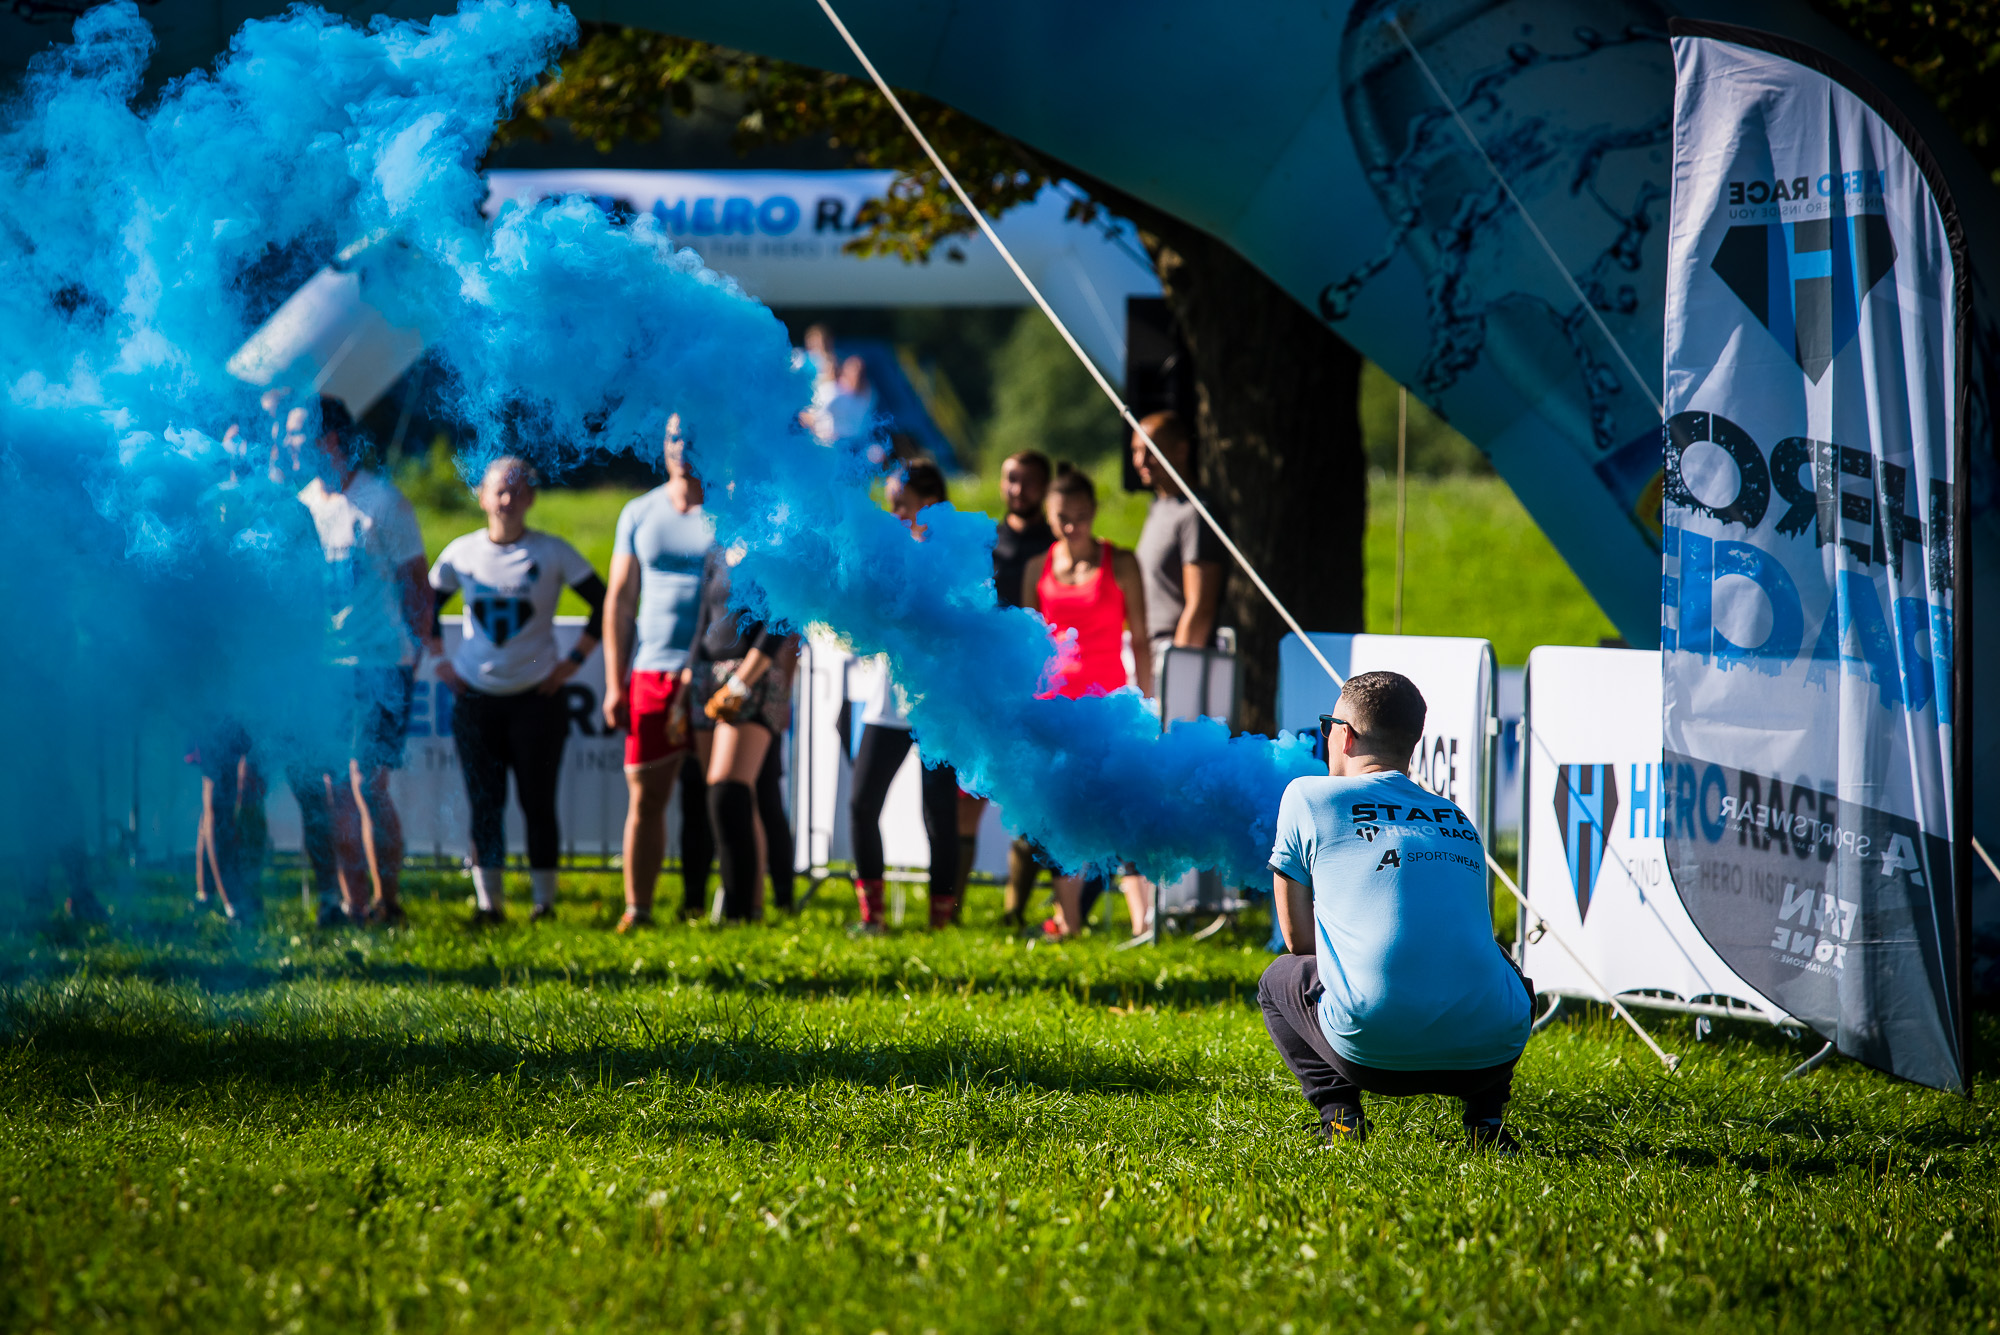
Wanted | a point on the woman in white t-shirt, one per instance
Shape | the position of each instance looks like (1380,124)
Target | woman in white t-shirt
(508,677)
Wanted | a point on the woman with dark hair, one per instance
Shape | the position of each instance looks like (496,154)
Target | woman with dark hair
(743,671)
(509,713)
(885,743)
(1091,594)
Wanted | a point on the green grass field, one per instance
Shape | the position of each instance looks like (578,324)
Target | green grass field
(1476,564)
(779,1128)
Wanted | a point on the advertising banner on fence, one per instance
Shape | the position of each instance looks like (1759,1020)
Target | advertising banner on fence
(1814,457)
(1593,836)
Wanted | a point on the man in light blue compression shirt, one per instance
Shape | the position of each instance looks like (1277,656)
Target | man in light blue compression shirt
(656,571)
(1394,983)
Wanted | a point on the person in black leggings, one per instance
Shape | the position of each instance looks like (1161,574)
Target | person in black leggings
(509,713)
(886,742)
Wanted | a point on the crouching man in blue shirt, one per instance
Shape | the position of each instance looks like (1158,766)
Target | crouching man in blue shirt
(1394,983)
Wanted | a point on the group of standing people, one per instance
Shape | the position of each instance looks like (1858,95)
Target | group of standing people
(1167,592)
(701,695)
(670,639)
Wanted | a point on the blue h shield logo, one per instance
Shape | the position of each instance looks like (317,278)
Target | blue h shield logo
(1586,804)
(1804,281)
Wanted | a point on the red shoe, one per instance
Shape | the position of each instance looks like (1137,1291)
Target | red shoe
(868,894)
(944,912)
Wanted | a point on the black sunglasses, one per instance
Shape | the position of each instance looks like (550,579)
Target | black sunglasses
(1326,725)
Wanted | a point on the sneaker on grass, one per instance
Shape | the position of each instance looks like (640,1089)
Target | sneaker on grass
(633,921)
(1344,1126)
(1489,1134)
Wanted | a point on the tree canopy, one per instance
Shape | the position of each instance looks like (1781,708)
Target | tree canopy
(619,83)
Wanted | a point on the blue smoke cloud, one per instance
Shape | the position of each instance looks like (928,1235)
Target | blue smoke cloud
(143,243)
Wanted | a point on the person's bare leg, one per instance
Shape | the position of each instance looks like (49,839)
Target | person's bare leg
(381,832)
(1138,902)
(1069,904)
(648,791)
(205,869)
(350,852)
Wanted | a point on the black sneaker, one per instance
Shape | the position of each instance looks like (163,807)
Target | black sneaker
(489,917)
(1491,1135)
(1344,1126)
(542,913)
(387,915)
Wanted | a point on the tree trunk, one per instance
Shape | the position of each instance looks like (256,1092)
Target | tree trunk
(1279,441)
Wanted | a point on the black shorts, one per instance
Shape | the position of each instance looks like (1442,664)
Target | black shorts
(378,716)
(219,749)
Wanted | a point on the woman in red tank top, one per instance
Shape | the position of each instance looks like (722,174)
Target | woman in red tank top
(1090,593)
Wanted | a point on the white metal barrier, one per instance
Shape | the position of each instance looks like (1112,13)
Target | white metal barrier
(1592,856)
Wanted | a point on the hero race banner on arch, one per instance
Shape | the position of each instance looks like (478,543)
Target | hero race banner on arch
(1811,551)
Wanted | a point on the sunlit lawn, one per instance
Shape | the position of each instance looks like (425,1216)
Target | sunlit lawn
(782,1128)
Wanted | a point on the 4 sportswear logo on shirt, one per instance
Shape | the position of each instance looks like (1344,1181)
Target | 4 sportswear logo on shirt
(1396,858)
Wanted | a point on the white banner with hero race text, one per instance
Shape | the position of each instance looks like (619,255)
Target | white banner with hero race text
(1593,852)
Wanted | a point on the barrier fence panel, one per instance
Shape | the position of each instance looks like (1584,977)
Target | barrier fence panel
(1593,854)
(1457,678)
(142,776)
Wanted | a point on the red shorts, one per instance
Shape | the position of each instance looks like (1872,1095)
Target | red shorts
(652,697)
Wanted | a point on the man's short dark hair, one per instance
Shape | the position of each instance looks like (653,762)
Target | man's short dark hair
(923,478)
(1031,459)
(1387,710)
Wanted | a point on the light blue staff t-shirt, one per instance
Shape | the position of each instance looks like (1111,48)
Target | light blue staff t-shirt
(1413,980)
(670,547)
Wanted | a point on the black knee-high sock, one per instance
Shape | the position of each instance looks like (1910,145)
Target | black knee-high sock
(697,838)
(732,809)
(777,829)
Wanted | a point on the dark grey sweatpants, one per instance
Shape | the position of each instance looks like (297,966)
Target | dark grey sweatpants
(1289,993)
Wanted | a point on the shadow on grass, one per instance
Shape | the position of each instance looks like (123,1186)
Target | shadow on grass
(864,974)
(735,1049)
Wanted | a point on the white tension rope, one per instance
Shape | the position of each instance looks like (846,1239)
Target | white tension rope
(986,230)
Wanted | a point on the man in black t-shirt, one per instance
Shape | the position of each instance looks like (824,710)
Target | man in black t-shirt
(1023,535)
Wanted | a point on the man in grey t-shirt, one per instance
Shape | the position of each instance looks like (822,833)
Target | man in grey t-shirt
(1183,563)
